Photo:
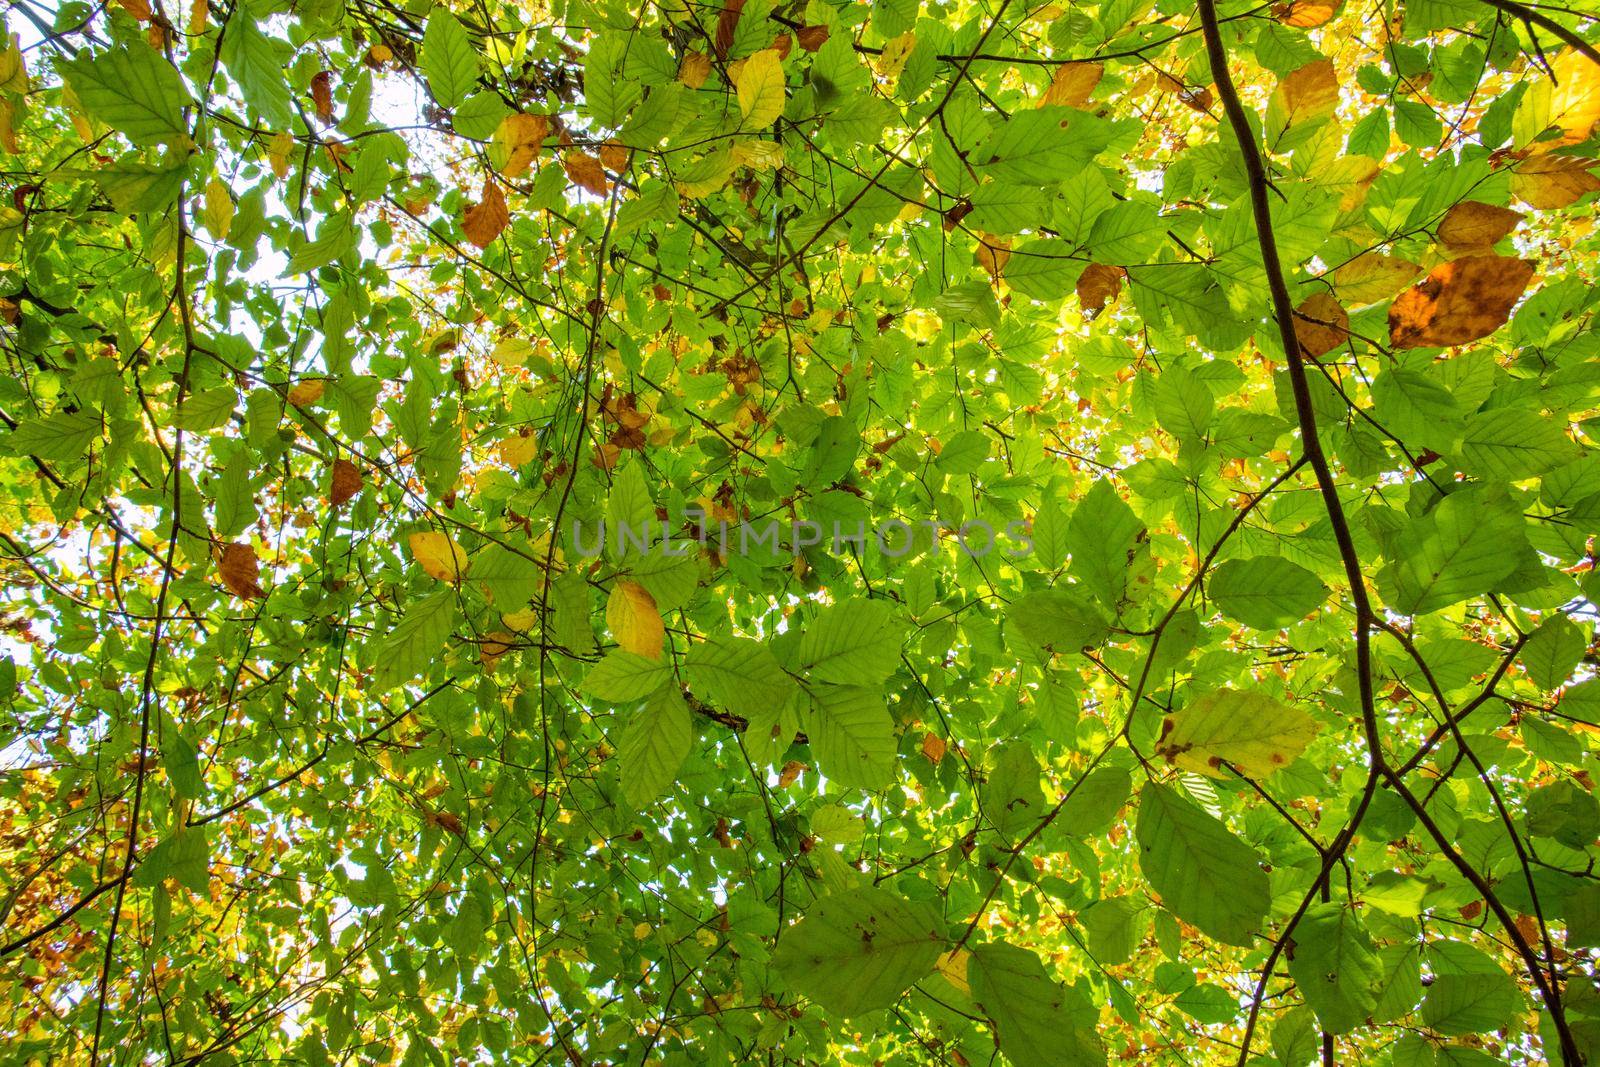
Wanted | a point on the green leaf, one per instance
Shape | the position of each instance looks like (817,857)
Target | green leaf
(854,642)
(1471,1003)
(738,674)
(858,950)
(623,676)
(1554,651)
(1060,619)
(1266,592)
(132,89)
(508,578)
(1103,537)
(259,64)
(1043,269)
(1456,552)
(1036,1020)
(654,743)
(448,59)
(60,438)
(852,735)
(415,640)
(1335,967)
(1206,876)
(1514,443)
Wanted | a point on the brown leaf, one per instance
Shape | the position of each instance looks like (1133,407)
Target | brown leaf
(614,157)
(934,747)
(1321,324)
(346,482)
(1547,182)
(727,23)
(586,170)
(1098,285)
(1471,224)
(1310,93)
(1459,301)
(484,220)
(1072,84)
(139,9)
(812,37)
(240,571)
(322,95)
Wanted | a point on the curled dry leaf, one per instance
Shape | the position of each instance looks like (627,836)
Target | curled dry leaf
(241,571)
(1471,224)
(1321,324)
(1098,285)
(322,95)
(346,482)
(484,220)
(1459,301)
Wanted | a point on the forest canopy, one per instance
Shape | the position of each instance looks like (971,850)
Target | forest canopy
(799,532)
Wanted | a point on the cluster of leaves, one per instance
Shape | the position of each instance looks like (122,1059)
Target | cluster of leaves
(1207,395)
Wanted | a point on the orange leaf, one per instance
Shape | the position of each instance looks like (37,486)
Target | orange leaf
(585,170)
(438,555)
(484,220)
(634,620)
(346,482)
(1471,224)
(1072,84)
(1304,14)
(614,157)
(1459,301)
(240,571)
(934,747)
(1321,324)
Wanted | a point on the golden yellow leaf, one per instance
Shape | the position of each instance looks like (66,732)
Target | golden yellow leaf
(896,51)
(634,621)
(952,966)
(1574,98)
(218,214)
(438,555)
(1471,224)
(1547,182)
(278,150)
(1309,93)
(519,137)
(759,85)
(1072,84)
(306,393)
(694,69)
(1459,301)
(518,451)
(758,155)
(484,220)
(1371,277)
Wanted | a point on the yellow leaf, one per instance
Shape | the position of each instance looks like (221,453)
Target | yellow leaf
(438,555)
(1250,731)
(952,966)
(759,84)
(695,68)
(1310,93)
(306,393)
(518,451)
(1072,84)
(519,137)
(758,155)
(1574,99)
(1548,182)
(512,352)
(218,213)
(1371,277)
(634,621)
